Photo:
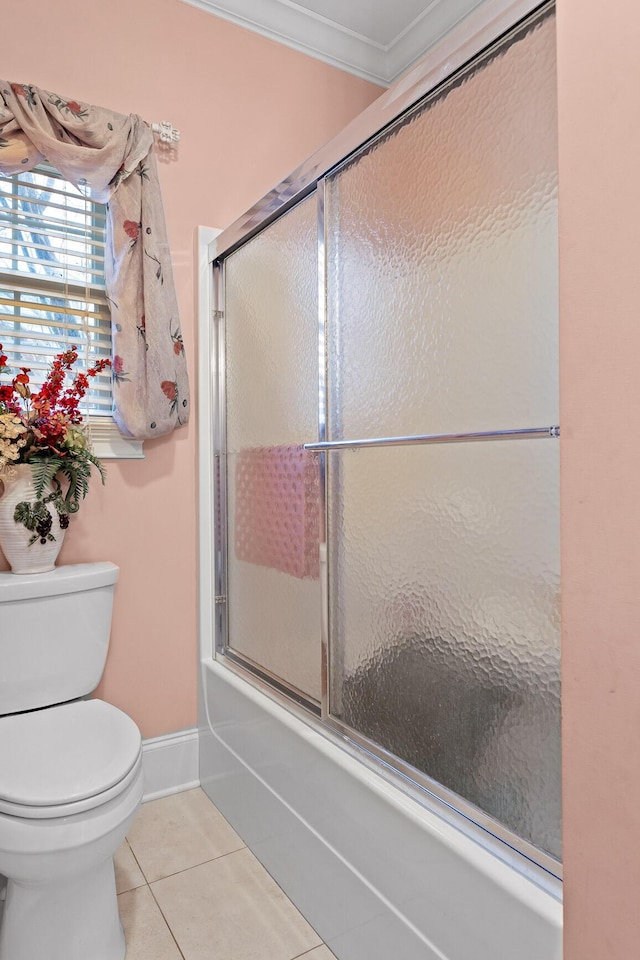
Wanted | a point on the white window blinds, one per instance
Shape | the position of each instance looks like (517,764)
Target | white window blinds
(52,294)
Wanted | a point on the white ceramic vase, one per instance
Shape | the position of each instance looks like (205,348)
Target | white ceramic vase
(14,537)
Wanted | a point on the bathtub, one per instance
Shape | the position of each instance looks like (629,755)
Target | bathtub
(374,871)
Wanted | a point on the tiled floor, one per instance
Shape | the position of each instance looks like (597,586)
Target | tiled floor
(189,888)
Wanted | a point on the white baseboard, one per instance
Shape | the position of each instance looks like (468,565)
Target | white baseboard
(170,764)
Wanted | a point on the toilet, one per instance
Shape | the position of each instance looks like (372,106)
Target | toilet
(70,768)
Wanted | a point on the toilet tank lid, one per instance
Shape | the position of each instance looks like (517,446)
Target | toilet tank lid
(60,580)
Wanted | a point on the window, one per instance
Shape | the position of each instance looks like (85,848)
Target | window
(52,286)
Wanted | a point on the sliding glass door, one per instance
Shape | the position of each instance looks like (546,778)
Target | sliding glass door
(272,483)
(442,318)
(390,370)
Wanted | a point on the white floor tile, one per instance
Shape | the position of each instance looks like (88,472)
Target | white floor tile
(320,953)
(147,935)
(231,908)
(179,832)
(128,873)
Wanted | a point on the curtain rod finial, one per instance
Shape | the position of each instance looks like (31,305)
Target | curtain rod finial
(166,131)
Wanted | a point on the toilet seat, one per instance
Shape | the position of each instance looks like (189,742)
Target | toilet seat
(66,759)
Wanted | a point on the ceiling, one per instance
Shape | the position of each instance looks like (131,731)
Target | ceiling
(373,39)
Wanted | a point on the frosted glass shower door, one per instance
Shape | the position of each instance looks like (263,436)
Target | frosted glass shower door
(271,321)
(443,559)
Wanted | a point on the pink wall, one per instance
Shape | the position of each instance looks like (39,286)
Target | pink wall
(249,112)
(599,144)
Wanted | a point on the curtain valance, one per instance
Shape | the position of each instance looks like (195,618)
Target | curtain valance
(112,155)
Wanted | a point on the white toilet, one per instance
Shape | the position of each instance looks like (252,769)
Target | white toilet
(70,769)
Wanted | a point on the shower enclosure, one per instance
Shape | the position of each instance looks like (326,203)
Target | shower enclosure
(387,457)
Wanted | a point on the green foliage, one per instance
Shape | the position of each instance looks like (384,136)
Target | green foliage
(67,477)
(75,468)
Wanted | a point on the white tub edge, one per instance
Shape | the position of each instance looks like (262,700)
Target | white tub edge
(289,742)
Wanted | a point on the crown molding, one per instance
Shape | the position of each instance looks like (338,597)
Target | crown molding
(288,23)
(433,24)
(305,31)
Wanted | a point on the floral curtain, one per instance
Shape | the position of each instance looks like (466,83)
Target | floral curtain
(113,156)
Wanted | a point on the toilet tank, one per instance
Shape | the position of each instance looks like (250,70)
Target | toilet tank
(54,634)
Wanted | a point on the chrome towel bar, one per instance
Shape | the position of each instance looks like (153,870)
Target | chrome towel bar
(532,433)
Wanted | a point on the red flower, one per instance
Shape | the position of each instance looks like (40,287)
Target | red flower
(19,89)
(48,414)
(99,367)
(170,389)
(118,364)
(177,348)
(74,107)
(132,229)
(68,358)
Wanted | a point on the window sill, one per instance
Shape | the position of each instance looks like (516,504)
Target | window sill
(109,444)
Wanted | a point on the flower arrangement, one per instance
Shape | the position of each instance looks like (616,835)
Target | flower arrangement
(45,430)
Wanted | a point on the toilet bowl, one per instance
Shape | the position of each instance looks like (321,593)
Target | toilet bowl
(70,772)
(57,853)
